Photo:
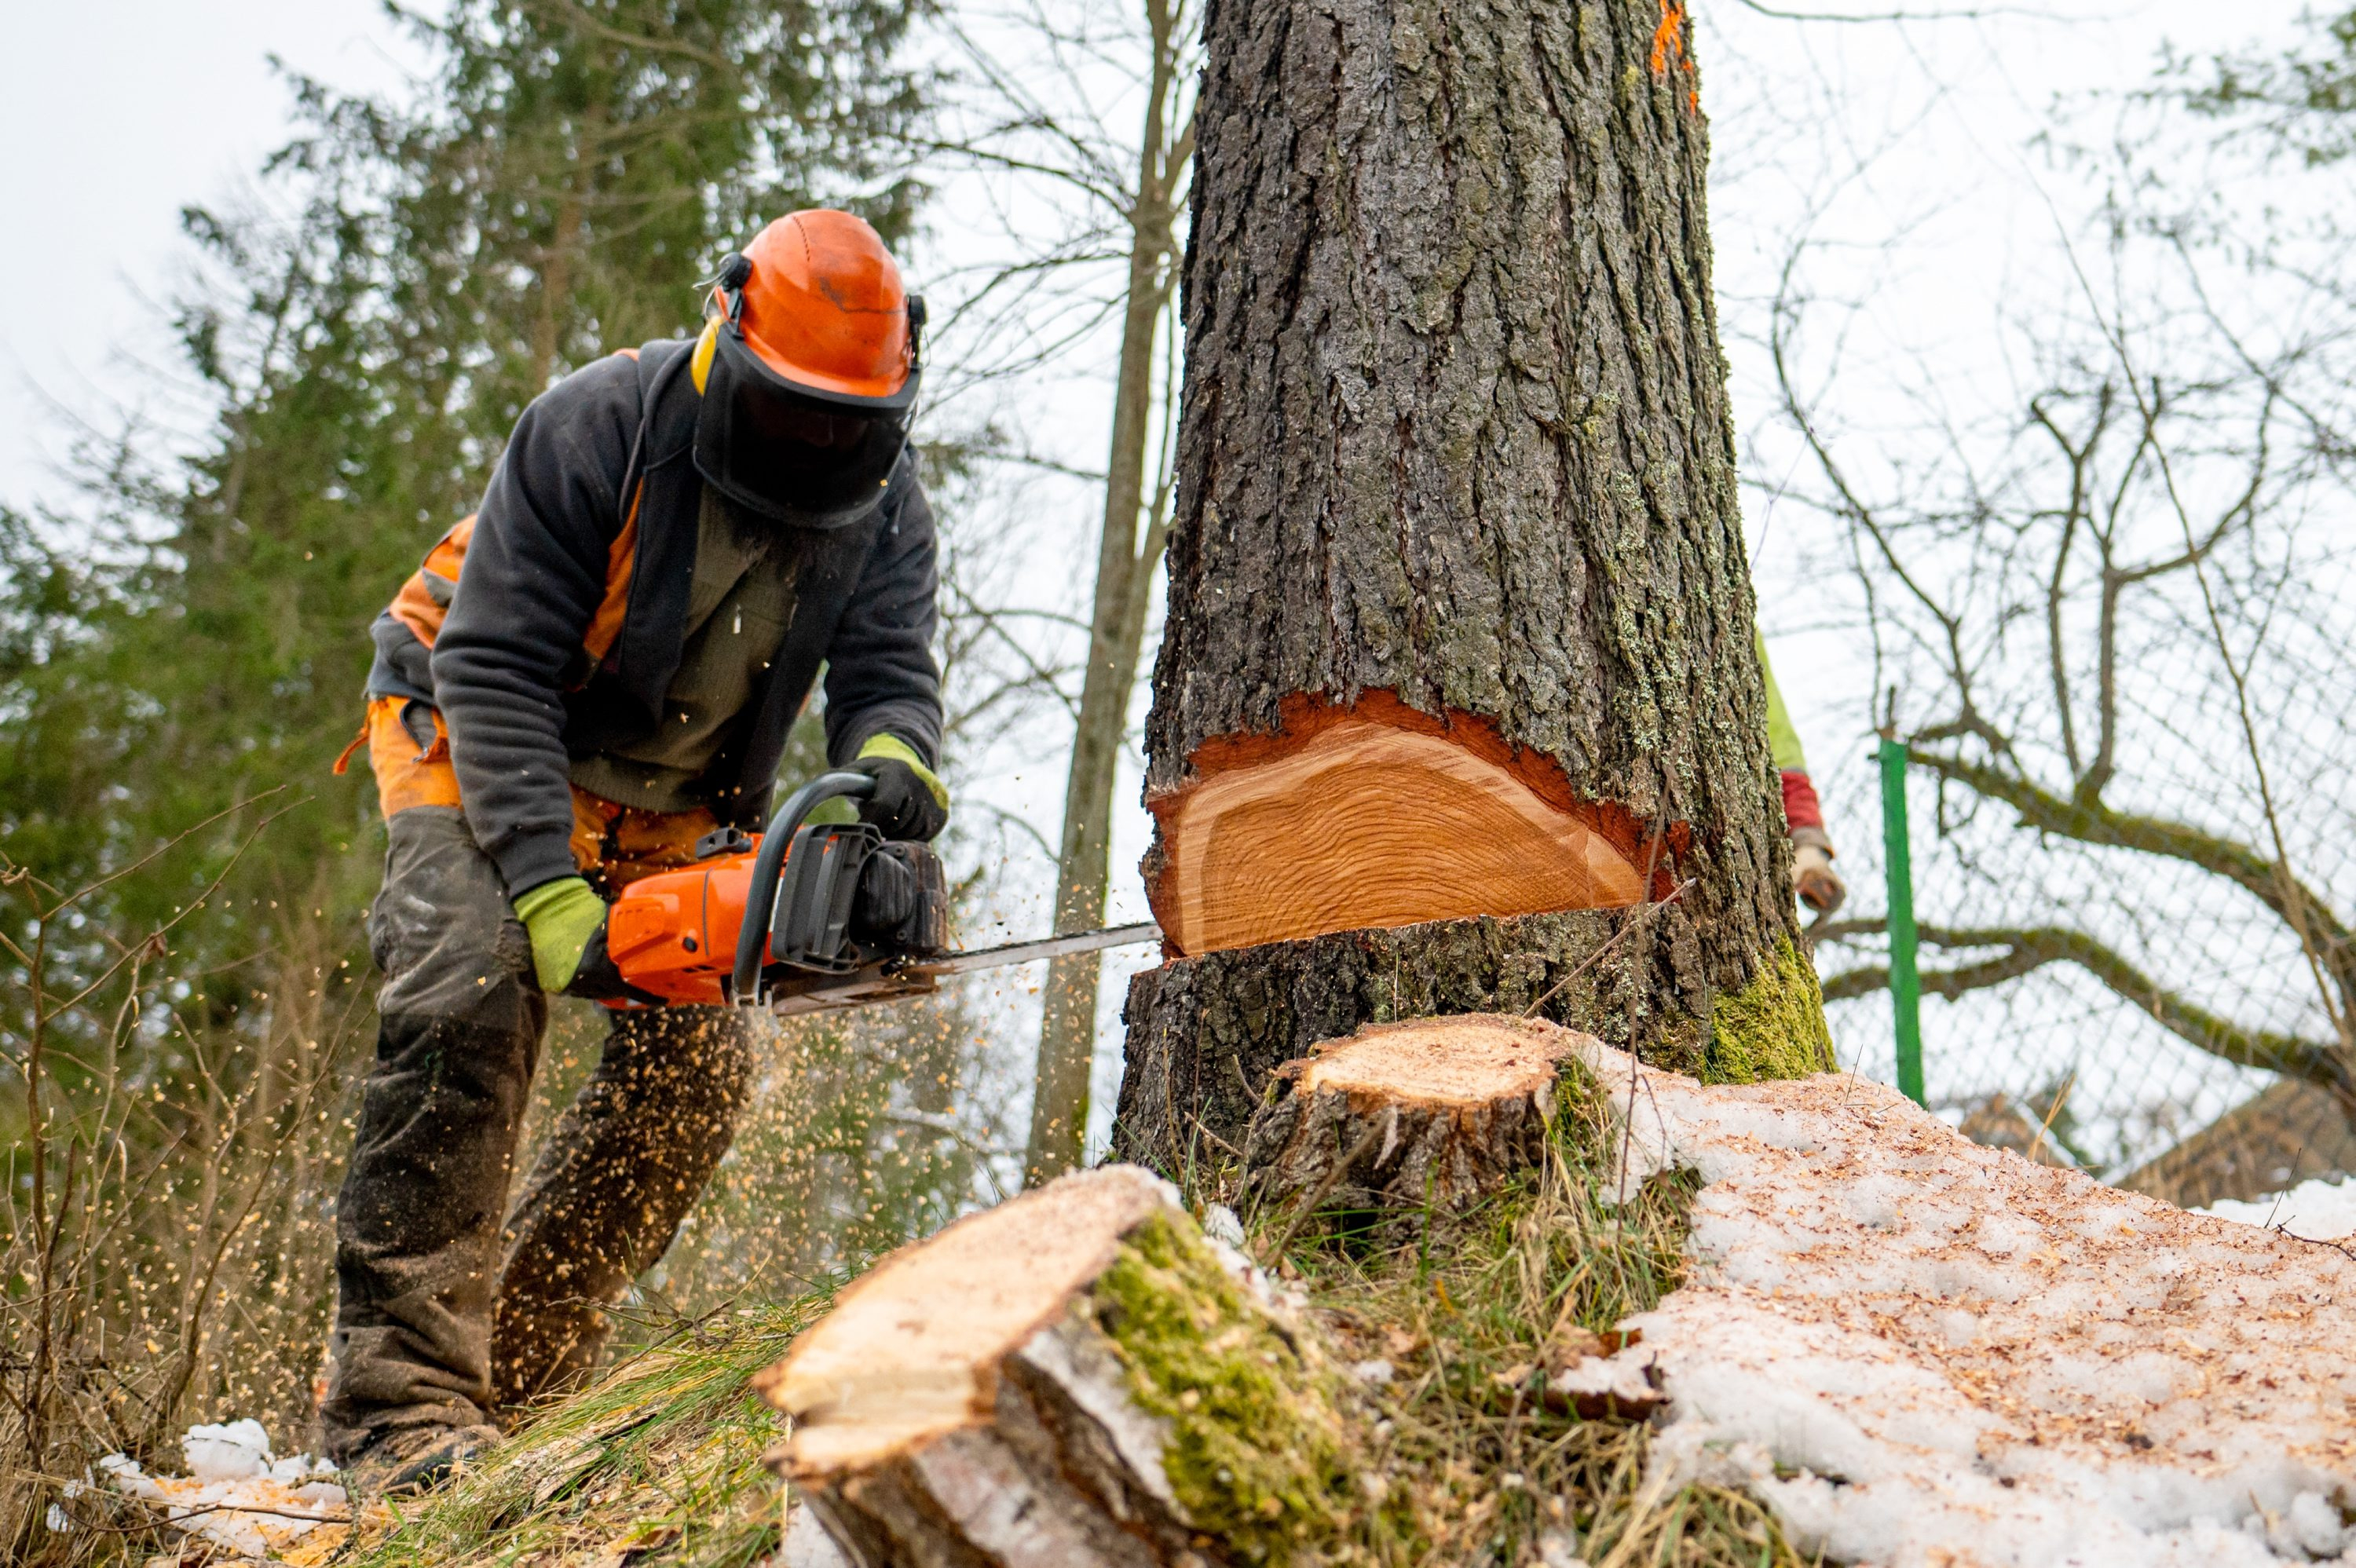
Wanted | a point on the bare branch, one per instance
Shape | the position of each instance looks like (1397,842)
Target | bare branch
(2027,949)
(2091,822)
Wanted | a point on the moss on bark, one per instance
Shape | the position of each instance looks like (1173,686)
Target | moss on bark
(1773,1027)
(1256,1453)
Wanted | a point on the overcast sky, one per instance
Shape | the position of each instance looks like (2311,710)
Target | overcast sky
(116,114)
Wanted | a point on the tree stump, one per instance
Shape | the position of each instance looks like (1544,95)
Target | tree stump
(1073,1378)
(1438,1112)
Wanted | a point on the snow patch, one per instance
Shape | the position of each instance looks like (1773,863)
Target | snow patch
(243,1500)
(1920,1351)
(2322,1210)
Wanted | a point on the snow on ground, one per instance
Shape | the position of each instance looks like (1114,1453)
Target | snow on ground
(240,1498)
(2321,1210)
(1921,1352)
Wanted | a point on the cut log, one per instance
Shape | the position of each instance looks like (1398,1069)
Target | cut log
(1375,817)
(1073,1378)
(1437,1112)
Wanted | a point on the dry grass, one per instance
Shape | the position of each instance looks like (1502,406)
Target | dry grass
(660,1462)
(164,1240)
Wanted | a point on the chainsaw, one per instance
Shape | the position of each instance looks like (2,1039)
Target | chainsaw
(806,918)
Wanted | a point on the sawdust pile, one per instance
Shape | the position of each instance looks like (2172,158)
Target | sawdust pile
(1920,1351)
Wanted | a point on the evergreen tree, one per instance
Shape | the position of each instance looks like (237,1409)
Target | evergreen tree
(570,171)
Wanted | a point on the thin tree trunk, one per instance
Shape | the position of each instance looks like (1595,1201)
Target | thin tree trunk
(556,262)
(1456,463)
(1125,568)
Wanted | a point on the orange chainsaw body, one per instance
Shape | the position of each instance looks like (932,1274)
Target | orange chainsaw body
(674,933)
(843,917)
(847,920)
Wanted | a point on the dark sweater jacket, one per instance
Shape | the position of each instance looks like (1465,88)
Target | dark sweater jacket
(510,667)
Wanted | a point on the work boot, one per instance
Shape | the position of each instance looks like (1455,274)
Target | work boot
(412,1459)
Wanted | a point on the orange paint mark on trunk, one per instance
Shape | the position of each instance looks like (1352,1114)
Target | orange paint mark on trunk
(1669,50)
(1669,44)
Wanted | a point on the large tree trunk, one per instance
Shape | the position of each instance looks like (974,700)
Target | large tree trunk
(1456,474)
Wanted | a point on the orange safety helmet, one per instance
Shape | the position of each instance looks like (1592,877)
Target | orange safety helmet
(809,370)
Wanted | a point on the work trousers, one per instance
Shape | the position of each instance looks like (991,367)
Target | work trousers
(452,1308)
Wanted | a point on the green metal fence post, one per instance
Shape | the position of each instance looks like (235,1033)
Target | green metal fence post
(1905,983)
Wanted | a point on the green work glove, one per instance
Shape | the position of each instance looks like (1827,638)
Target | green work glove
(910,800)
(561,916)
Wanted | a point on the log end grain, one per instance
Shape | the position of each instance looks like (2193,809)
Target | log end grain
(1453,1061)
(1372,817)
(911,1350)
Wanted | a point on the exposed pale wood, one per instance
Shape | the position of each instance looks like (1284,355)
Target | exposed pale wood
(911,1350)
(1367,825)
(1436,1111)
(970,1402)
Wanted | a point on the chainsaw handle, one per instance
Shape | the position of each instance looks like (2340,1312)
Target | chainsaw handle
(761,894)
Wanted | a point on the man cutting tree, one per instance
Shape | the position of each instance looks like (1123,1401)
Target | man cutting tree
(583,679)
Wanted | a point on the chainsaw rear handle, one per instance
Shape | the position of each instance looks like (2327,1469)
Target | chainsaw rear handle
(761,895)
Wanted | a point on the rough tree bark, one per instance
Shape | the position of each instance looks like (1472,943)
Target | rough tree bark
(1455,457)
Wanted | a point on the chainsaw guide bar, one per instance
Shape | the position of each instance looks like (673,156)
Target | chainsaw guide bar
(893,978)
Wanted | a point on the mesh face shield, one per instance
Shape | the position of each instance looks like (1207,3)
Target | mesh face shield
(810,459)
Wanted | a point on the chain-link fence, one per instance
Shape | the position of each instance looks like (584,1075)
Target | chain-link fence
(2153,1018)
(2106,603)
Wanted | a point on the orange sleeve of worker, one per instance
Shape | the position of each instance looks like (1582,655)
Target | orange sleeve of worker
(406,776)
(423,601)
(606,624)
